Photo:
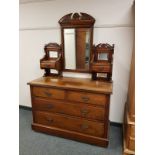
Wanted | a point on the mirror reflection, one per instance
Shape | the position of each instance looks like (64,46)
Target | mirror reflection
(53,54)
(77,48)
(102,56)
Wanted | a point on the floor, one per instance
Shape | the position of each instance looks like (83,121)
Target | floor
(34,143)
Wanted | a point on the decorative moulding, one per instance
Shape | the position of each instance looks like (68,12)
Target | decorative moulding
(77,20)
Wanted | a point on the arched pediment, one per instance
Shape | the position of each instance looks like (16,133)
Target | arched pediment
(77,20)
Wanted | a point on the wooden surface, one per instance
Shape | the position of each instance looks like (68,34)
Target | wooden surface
(77,21)
(74,84)
(81,48)
(131,90)
(82,23)
(70,123)
(129,115)
(92,98)
(78,109)
(72,107)
(48,92)
(102,66)
(48,62)
(71,135)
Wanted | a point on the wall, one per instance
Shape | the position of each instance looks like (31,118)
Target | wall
(114,25)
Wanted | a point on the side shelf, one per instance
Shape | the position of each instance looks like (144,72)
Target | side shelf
(48,62)
(101,61)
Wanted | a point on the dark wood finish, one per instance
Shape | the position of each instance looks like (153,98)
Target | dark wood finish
(70,123)
(71,135)
(102,66)
(48,63)
(68,83)
(82,111)
(73,108)
(92,98)
(48,92)
(77,21)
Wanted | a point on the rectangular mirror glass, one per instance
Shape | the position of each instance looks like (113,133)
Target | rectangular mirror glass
(102,56)
(69,48)
(77,48)
(53,54)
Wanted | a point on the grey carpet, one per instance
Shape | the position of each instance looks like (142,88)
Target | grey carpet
(34,143)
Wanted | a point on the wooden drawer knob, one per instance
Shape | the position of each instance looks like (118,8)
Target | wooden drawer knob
(84,126)
(47,94)
(84,112)
(85,98)
(49,106)
(49,120)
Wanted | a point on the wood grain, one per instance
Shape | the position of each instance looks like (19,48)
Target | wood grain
(73,109)
(68,83)
(72,104)
(71,135)
(48,92)
(70,123)
(98,99)
(129,114)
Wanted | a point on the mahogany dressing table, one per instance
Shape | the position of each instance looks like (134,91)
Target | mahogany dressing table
(74,108)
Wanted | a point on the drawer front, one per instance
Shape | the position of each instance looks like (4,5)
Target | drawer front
(75,109)
(131,144)
(70,123)
(105,68)
(47,65)
(97,99)
(48,92)
(132,131)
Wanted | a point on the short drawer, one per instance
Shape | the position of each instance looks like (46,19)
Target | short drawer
(69,108)
(70,123)
(48,92)
(47,64)
(102,68)
(97,99)
(131,144)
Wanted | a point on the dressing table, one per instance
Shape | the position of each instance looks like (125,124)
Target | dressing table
(74,108)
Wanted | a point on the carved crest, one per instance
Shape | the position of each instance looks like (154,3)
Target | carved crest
(105,46)
(52,47)
(77,20)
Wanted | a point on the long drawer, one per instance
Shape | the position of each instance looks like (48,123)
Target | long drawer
(93,98)
(70,123)
(48,92)
(69,108)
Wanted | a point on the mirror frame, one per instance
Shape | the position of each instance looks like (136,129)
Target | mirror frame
(76,20)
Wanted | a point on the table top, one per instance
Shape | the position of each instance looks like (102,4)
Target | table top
(74,84)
